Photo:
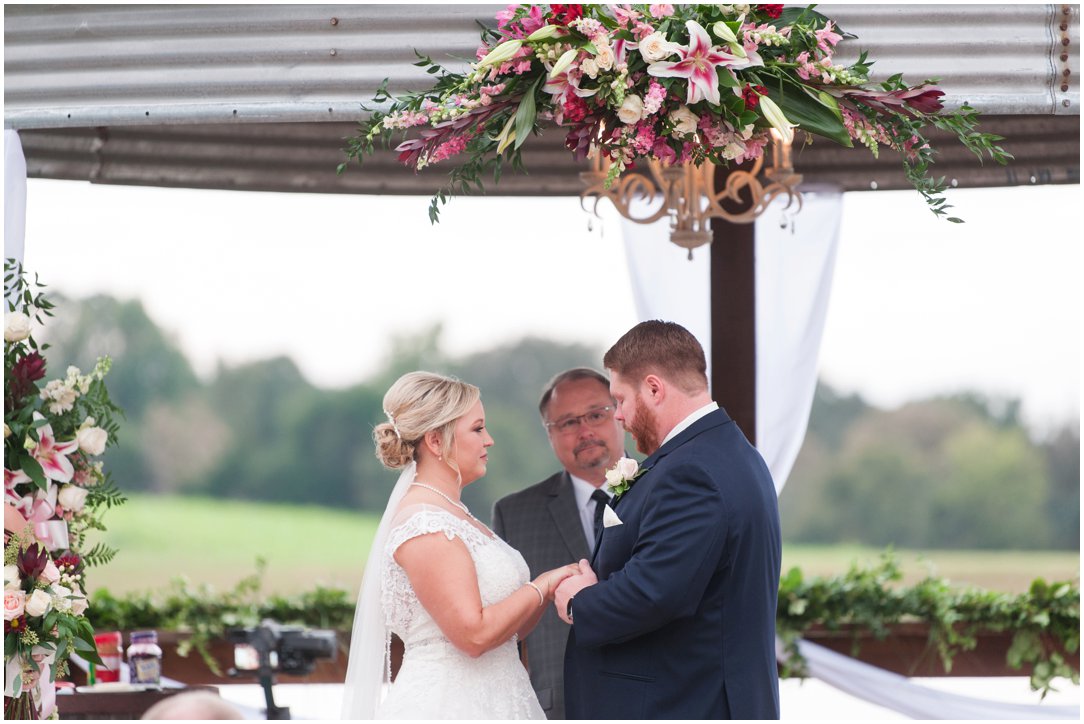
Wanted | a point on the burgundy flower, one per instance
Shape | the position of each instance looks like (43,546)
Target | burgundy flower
(15,625)
(31,367)
(32,561)
(565,14)
(68,558)
(751,95)
(24,373)
(924,98)
(772,11)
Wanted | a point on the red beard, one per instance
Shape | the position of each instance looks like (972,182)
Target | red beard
(642,427)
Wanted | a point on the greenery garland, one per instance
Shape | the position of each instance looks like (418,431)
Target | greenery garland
(1045,620)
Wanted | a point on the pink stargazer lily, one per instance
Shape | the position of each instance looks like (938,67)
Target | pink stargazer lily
(11,479)
(53,455)
(698,63)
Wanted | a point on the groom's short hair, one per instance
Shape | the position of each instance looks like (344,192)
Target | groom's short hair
(663,348)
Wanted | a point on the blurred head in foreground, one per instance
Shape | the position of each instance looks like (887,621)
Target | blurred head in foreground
(193,705)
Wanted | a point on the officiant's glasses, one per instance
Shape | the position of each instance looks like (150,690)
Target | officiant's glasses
(593,418)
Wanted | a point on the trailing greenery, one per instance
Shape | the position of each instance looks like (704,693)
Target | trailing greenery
(206,614)
(1045,620)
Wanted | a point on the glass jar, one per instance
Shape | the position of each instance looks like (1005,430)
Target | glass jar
(110,647)
(145,658)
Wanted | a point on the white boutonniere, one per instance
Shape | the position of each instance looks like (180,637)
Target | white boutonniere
(622,475)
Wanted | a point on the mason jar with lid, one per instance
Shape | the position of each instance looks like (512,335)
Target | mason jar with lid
(145,658)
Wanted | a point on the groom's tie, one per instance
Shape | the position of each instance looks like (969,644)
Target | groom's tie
(601,499)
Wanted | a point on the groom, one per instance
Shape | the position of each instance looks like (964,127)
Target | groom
(677,619)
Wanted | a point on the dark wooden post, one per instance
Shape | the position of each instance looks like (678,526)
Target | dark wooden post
(733,319)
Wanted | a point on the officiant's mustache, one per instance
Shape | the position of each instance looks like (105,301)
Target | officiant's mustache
(586,444)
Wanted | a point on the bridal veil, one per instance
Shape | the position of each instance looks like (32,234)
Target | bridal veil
(368,665)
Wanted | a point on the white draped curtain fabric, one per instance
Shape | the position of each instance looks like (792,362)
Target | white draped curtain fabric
(14,195)
(898,693)
(793,279)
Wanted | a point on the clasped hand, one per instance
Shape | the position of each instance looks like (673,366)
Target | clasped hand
(571,586)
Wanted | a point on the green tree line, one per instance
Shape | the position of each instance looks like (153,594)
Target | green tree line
(951,472)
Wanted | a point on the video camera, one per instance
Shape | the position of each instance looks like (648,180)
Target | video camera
(273,648)
(290,649)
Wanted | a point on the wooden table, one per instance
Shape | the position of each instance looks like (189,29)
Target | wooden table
(116,705)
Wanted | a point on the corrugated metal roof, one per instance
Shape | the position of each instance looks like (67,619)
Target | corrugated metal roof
(261,96)
(104,65)
(303,157)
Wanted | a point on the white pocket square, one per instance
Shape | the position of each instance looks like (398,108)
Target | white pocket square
(609,518)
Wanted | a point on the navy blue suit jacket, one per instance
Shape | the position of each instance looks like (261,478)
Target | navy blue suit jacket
(681,624)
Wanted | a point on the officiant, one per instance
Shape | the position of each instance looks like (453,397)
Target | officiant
(555,521)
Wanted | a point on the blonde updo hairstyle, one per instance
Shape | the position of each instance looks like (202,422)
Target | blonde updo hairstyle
(420,402)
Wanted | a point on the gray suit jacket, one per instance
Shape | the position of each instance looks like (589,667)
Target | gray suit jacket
(542,523)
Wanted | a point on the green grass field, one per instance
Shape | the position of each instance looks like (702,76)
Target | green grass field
(218,542)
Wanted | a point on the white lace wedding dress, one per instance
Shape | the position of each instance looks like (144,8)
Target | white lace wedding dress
(437,680)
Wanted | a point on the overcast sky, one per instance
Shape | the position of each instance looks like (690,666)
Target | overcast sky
(919,306)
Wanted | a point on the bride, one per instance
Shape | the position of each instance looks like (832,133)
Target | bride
(458,596)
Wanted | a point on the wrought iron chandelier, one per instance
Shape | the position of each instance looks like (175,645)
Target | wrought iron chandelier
(686,193)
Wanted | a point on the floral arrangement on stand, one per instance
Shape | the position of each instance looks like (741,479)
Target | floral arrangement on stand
(673,83)
(55,491)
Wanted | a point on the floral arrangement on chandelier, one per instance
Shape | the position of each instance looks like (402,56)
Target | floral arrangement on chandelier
(674,83)
(55,491)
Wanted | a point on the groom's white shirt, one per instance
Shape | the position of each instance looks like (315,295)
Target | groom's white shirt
(586,507)
(705,410)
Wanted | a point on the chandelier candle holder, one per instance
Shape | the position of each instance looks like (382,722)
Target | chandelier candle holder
(657,97)
(686,193)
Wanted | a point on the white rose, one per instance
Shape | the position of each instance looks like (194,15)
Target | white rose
(38,604)
(604,56)
(684,121)
(12,582)
(631,111)
(72,497)
(61,602)
(589,67)
(50,573)
(733,149)
(92,440)
(655,47)
(627,467)
(613,477)
(79,601)
(16,327)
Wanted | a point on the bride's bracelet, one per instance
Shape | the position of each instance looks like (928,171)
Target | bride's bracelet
(541,596)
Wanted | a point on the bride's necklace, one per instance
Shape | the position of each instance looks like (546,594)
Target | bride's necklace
(451,500)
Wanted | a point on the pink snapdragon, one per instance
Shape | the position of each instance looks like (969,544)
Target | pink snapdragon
(661,10)
(754,148)
(644,140)
(625,15)
(504,17)
(806,68)
(653,100)
(452,147)
(827,38)
(590,27)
